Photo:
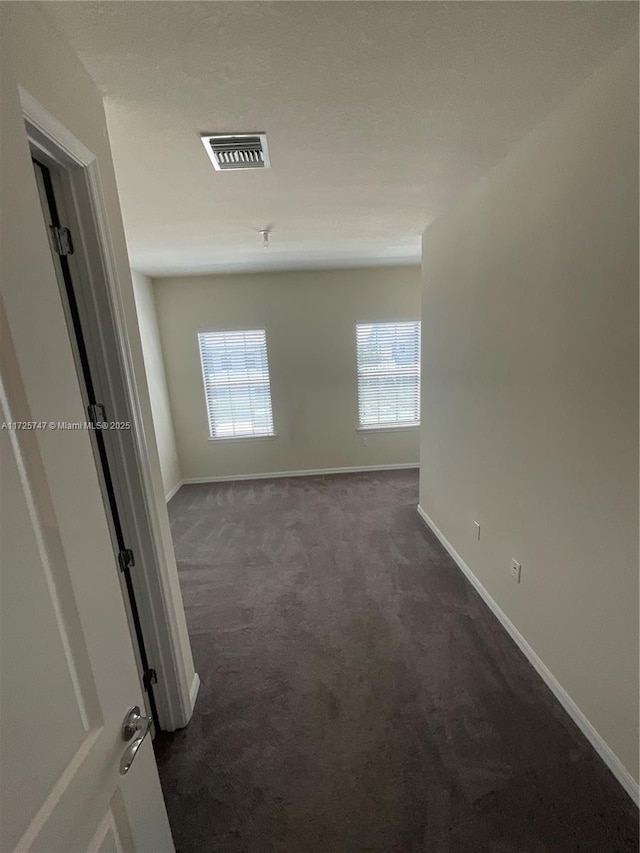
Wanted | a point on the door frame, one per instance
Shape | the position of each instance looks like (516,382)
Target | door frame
(174,695)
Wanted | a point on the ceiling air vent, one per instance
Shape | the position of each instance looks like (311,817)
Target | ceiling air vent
(237,151)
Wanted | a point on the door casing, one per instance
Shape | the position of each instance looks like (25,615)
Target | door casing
(104,312)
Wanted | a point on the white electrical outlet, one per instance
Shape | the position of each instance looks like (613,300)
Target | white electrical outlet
(365,440)
(476,526)
(516,570)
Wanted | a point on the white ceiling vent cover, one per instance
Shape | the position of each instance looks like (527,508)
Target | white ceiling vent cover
(228,152)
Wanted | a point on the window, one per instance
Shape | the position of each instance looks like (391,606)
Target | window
(388,360)
(236,383)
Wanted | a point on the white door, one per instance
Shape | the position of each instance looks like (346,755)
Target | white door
(67,670)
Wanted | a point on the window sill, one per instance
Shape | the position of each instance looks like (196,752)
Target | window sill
(242,437)
(388,428)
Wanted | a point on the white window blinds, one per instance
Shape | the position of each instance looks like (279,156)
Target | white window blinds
(236,383)
(388,361)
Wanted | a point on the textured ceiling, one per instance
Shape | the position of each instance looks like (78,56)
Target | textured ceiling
(378,114)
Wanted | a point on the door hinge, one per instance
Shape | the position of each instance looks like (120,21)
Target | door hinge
(149,677)
(62,242)
(97,413)
(126,559)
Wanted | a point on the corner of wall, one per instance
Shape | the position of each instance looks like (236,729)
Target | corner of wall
(157,382)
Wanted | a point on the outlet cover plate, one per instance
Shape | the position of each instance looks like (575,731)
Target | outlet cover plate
(516,570)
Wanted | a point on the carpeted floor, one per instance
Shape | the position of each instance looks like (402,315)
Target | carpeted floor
(357,696)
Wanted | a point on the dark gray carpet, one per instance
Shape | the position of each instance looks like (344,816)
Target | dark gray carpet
(357,696)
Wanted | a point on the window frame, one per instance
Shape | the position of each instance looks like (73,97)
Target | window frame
(402,425)
(232,438)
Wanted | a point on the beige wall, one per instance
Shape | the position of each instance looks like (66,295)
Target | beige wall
(530,393)
(309,319)
(49,71)
(157,382)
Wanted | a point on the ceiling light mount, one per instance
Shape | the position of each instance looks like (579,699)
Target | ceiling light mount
(266,237)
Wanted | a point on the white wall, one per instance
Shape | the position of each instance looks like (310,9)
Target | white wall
(157,382)
(310,320)
(530,392)
(47,69)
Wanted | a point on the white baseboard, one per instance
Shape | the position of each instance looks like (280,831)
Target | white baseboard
(311,472)
(193,690)
(601,747)
(173,491)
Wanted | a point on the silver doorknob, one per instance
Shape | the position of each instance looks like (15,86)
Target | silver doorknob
(135,725)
